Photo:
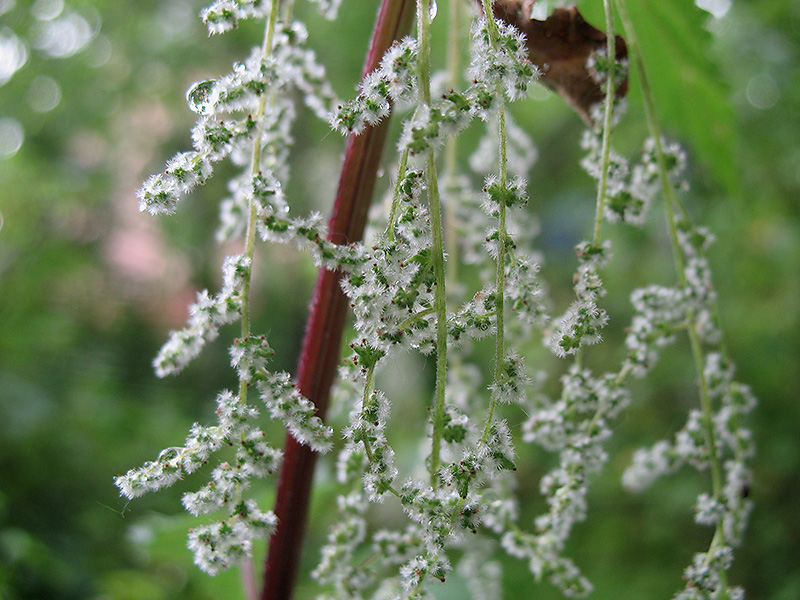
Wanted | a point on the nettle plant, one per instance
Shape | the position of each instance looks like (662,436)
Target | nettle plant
(459,500)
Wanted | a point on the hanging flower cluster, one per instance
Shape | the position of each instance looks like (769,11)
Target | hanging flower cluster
(581,325)
(714,437)
(631,189)
(238,441)
(504,69)
(290,64)
(458,503)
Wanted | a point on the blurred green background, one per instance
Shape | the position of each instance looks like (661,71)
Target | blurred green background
(92,102)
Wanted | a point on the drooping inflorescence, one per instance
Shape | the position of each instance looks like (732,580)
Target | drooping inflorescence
(242,117)
(451,486)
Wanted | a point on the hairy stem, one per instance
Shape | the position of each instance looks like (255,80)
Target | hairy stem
(608,108)
(248,576)
(440,304)
(500,277)
(652,123)
(321,344)
(451,149)
(255,167)
(440,292)
(401,173)
(424,45)
(502,234)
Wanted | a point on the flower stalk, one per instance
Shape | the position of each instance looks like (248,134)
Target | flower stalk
(608,106)
(255,167)
(440,291)
(502,233)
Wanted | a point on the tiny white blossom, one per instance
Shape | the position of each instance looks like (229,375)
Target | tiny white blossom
(223,544)
(503,66)
(708,511)
(648,465)
(285,403)
(329,8)
(159,194)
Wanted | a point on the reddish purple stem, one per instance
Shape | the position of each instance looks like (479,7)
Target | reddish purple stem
(322,341)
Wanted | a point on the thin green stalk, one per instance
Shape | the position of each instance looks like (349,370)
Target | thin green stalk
(288,8)
(502,235)
(451,229)
(451,149)
(370,383)
(454,44)
(440,304)
(708,417)
(671,202)
(668,191)
(248,574)
(503,160)
(424,50)
(255,166)
(499,349)
(440,292)
(416,317)
(490,23)
(368,387)
(401,173)
(609,108)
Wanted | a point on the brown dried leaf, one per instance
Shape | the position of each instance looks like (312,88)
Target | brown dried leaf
(561,46)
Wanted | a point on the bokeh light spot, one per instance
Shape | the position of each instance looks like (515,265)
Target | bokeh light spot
(11,137)
(44,94)
(13,54)
(762,91)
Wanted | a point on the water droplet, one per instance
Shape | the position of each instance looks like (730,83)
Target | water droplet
(198,96)
(434,9)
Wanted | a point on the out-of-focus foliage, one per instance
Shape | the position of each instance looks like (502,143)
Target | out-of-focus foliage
(89,287)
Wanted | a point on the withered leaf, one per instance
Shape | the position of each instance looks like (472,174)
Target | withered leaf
(560,46)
